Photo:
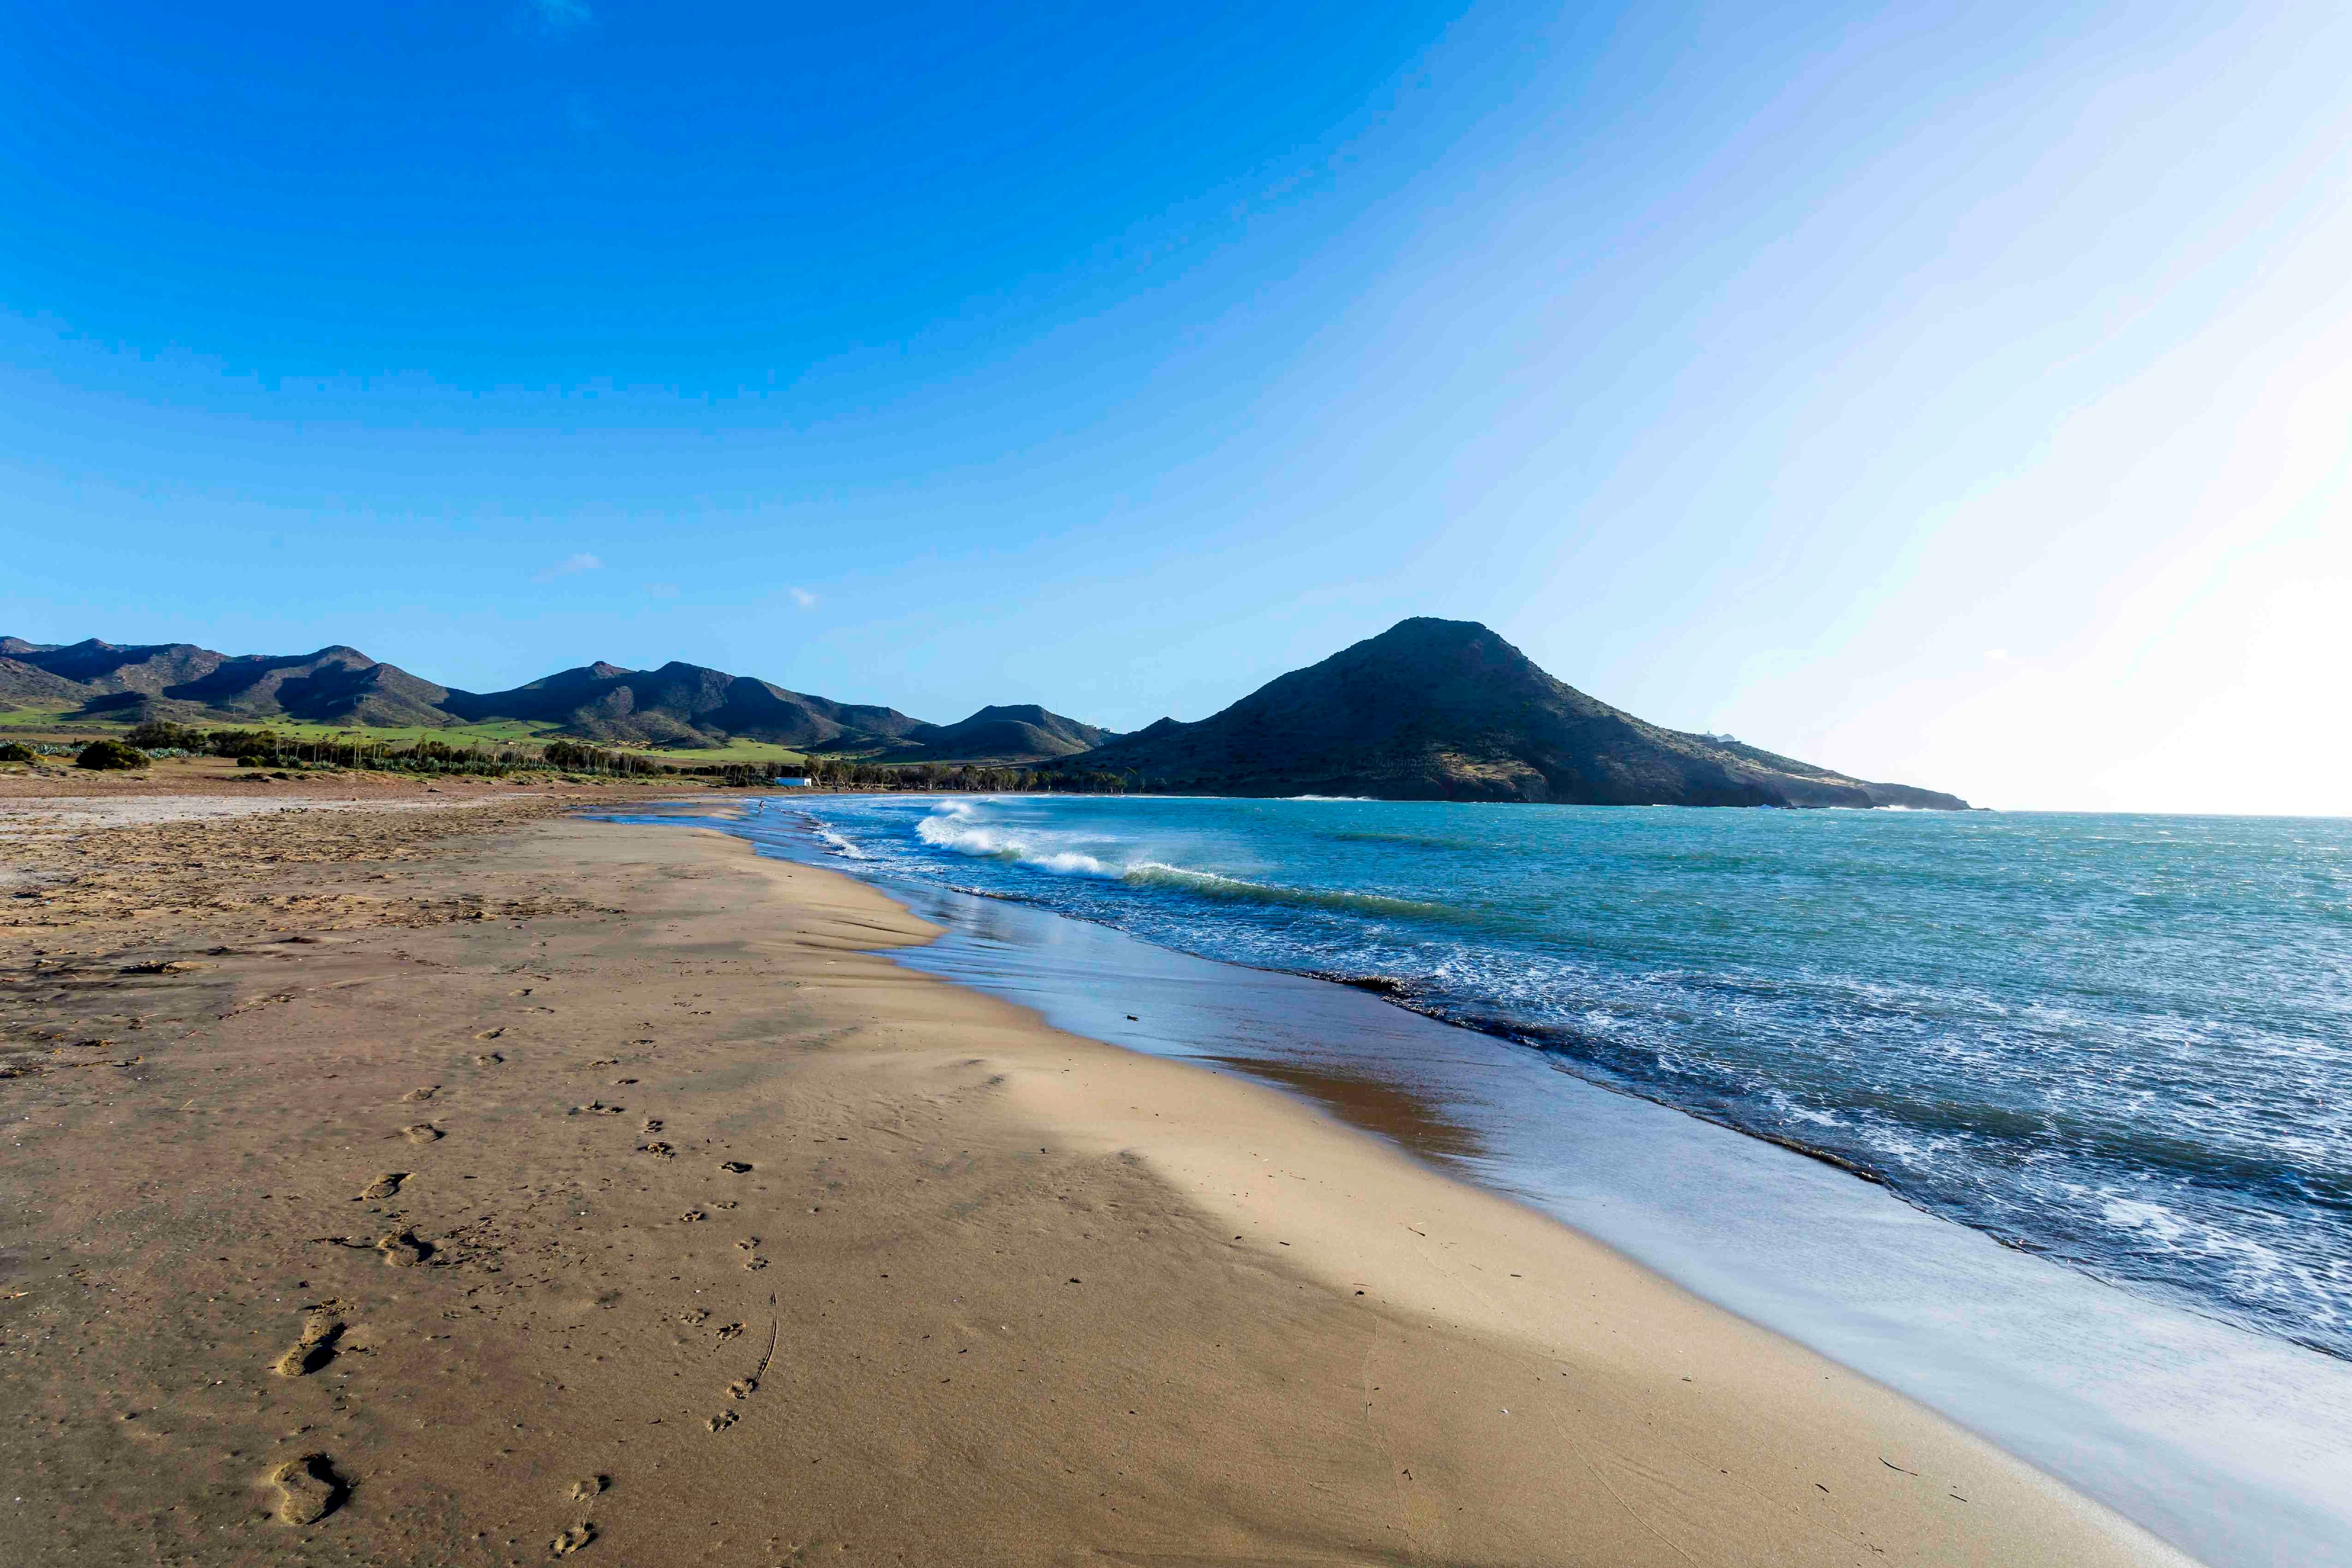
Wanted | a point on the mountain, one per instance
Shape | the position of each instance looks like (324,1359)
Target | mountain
(333,686)
(1020,734)
(686,705)
(183,682)
(1435,710)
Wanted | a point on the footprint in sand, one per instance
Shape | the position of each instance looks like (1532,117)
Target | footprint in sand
(692,1216)
(402,1249)
(742,1388)
(659,1149)
(427,1093)
(491,1034)
(596,1107)
(572,1539)
(583,1490)
(488,1060)
(653,1124)
(385,1186)
(733,1167)
(423,1132)
(723,1420)
(729,1332)
(315,1348)
(308,1489)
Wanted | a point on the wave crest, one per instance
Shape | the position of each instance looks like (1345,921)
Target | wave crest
(1234,890)
(952,827)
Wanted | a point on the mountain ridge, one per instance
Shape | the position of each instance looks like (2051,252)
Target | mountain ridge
(679,705)
(1429,710)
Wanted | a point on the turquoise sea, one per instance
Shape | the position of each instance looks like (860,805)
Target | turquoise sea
(2095,1069)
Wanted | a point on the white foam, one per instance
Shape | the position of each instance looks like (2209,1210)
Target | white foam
(951,827)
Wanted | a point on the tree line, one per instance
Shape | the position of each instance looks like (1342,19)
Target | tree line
(835,773)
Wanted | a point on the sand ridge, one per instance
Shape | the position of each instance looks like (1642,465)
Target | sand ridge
(741,1243)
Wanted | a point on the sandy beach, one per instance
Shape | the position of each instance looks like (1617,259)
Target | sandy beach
(444,1178)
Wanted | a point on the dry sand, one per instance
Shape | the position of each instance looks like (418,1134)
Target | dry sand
(484,1186)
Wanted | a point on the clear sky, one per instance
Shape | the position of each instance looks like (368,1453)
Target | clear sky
(1955,394)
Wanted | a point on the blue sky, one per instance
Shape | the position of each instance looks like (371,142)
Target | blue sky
(1953,393)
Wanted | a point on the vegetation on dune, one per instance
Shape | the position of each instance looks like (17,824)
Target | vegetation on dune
(277,749)
(110,755)
(11,752)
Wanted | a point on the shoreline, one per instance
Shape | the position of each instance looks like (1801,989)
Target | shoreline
(2223,1441)
(1215,1175)
(673,1093)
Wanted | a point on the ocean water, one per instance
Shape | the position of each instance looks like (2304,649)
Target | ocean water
(2122,1043)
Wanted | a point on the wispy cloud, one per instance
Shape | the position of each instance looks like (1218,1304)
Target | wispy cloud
(563,15)
(804,598)
(568,567)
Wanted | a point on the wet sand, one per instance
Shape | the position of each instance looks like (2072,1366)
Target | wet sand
(484,1185)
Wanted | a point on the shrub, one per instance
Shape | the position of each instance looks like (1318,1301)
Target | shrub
(11,752)
(110,754)
(158,735)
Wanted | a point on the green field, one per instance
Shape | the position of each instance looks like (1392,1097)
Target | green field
(499,732)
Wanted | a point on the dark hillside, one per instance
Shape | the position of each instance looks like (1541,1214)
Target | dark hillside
(1022,733)
(686,705)
(1434,709)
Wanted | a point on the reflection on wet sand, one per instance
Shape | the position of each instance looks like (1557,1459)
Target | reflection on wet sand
(1372,1104)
